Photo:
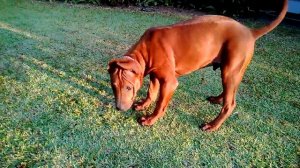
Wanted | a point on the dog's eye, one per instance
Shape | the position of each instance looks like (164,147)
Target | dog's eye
(128,88)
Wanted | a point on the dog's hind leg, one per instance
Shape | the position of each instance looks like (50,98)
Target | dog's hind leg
(151,95)
(216,99)
(230,84)
(232,73)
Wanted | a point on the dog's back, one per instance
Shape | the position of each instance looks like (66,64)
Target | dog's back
(201,40)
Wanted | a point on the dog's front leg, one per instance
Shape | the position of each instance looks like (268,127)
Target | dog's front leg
(167,88)
(151,95)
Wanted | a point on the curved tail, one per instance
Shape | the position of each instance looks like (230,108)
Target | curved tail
(257,33)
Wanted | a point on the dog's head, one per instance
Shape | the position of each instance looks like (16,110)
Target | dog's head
(126,79)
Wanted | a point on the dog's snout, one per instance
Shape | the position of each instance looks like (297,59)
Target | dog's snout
(121,107)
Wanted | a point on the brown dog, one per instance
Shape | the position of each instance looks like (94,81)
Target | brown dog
(166,53)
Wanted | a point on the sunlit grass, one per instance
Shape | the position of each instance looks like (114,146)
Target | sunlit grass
(57,109)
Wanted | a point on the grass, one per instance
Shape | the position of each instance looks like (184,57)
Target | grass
(57,108)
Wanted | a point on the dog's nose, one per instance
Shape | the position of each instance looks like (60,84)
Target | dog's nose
(122,108)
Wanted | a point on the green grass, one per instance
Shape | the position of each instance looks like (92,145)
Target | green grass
(57,108)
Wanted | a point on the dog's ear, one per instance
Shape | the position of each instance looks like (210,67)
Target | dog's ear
(112,65)
(125,63)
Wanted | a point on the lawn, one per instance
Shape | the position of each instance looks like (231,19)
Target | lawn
(57,107)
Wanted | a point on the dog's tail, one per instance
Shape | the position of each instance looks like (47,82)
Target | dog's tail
(257,33)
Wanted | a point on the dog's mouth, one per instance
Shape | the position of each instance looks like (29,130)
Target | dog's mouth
(123,107)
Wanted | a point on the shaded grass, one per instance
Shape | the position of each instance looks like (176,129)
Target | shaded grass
(57,109)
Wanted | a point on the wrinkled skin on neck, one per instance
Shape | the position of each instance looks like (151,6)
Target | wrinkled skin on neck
(125,83)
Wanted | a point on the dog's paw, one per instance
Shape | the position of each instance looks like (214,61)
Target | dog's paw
(147,121)
(139,106)
(209,127)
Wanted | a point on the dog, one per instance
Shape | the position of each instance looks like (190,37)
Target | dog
(168,52)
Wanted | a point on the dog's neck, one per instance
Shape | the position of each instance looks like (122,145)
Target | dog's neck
(139,52)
